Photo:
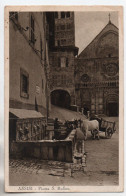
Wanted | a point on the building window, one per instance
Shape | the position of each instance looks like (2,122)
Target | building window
(68,14)
(56,14)
(24,84)
(62,14)
(32,30)
(62,27)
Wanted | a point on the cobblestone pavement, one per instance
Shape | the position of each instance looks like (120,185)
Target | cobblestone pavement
(35,166)
(35,172)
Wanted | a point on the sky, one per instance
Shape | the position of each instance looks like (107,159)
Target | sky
(89,24)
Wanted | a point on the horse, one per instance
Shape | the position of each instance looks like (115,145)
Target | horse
(93,126)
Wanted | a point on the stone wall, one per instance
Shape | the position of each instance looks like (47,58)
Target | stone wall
(26,57)
(58,150)
(47,150)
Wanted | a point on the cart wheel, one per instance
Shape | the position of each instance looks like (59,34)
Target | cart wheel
(109,132)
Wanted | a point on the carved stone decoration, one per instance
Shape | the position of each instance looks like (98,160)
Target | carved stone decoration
(106,77)
(85,78)
(106,93)
(111,69)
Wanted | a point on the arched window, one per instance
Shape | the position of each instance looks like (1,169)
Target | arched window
(68,14)
(56,14)
(62,14)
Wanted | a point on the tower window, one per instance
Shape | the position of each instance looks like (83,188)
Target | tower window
(58,41)
(67,62)
(56,14)
(109,55)
(62,14)
(63,62)
(68,14)
(62,27)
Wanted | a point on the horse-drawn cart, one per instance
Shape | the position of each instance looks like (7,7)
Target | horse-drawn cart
(105,126)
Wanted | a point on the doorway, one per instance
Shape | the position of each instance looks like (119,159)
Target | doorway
(113,109)
(60,98)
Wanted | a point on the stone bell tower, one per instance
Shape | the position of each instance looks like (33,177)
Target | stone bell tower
(62,55)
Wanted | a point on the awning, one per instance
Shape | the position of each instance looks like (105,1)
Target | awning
(22,113)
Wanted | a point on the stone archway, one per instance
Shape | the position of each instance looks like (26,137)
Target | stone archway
(112,105)
(60,98)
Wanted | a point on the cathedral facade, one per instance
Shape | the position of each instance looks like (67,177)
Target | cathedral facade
(97,73)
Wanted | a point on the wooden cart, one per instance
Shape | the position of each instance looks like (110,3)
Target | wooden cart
(107,127)
(104,126)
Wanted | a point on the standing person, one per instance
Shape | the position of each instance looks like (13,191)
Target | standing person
(56,124)
(56,127)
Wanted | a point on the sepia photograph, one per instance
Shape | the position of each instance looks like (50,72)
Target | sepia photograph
(64,99)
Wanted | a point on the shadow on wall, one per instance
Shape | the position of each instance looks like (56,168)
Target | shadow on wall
(60,98)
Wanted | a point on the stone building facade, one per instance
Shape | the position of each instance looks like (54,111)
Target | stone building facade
(61,56)
(97,73)
(28,55)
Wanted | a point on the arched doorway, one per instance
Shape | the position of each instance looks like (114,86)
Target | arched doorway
(112,105)
(60,98)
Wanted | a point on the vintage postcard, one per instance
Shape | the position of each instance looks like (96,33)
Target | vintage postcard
(64,99)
